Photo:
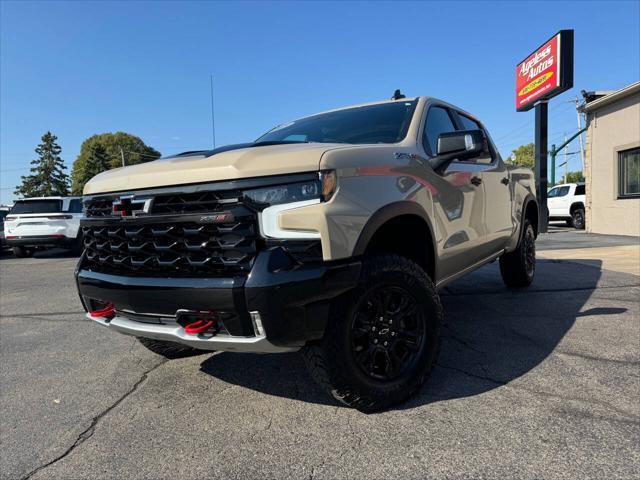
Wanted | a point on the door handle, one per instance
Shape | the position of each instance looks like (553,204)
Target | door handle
(476,181)
(505,181)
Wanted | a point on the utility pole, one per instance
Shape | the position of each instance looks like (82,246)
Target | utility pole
(122,156)
(580,129)
(566,163)
(213,122)
(554,151)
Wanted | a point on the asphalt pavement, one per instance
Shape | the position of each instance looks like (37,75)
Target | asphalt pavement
(541,383)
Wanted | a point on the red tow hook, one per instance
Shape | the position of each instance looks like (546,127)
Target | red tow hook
(109,311)
(198,326)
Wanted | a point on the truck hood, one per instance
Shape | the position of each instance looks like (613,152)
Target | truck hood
(251,161)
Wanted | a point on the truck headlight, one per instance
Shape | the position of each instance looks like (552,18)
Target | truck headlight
(272,201)
(321,189)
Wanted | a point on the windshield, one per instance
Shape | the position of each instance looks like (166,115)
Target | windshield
(37,206)
(383,123)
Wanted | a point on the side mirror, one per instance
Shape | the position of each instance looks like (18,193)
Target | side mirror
(461,145)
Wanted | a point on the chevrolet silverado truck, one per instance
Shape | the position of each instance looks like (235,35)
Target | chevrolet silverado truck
(331,234)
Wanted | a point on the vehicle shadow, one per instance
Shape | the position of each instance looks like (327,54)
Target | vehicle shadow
(49,253)
(491,336)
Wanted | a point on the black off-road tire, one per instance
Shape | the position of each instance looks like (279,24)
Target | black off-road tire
(577,219)
(332,361)
(519,267)
(22,252)
(170,350)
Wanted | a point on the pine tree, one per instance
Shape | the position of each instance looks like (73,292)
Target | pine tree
(97,161)
(47,173)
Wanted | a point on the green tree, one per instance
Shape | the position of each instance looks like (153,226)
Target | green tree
(116,146)
(574,177)
(524,156)
(97,161)
(47,173)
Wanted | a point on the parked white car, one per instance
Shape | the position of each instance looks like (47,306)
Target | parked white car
(566,202)
(4,211)
(44,222)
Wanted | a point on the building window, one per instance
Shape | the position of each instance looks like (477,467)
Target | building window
(629,173)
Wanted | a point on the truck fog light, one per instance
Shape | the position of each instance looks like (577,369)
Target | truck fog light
(257,324)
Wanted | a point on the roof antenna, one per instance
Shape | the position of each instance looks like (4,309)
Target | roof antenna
(397,95)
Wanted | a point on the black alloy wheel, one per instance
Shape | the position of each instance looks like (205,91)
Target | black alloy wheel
(387,332)
(577,219)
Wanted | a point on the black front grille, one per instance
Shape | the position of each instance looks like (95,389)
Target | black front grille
(198,202)
(168,204)
(164,233)
(100,207)
(171,249)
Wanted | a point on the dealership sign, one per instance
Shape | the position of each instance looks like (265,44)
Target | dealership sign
(545,73)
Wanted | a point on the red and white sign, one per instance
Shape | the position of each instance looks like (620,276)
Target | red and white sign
(539,74)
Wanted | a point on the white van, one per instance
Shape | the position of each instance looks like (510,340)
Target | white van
(44,222)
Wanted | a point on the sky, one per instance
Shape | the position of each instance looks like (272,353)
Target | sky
(80,68)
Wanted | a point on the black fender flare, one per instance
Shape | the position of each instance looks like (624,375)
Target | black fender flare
(575,205)
(525,204)
(389,212)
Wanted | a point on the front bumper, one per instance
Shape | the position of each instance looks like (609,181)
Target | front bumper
(279,306)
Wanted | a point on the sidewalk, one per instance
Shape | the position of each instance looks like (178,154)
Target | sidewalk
(609,252)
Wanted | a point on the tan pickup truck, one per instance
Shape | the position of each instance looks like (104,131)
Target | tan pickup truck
(330,234)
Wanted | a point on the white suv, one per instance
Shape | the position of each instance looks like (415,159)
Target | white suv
(566,202)
(38,223)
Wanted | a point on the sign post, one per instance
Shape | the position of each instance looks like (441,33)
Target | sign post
(545,73)
(541,139)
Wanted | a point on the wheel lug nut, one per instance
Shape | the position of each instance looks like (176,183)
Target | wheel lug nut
(385,344)
(393,334)
(373,329)
(375,340)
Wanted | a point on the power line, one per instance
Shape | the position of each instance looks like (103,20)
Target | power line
(528,123)
(15,169)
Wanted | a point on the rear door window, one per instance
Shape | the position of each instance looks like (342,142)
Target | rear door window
(580,190)
(36,206)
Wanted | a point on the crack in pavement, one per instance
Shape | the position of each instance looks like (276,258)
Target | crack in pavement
(39,314)
(43,319)
(630,416)
(528,292)
(596,359)
(473,375)
(90,430)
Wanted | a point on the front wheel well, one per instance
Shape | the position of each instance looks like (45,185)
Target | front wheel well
(408,236)
(531,214)
(575,206)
